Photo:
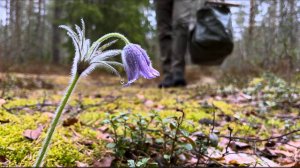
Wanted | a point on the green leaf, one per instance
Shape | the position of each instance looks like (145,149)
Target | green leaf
(131,163)
(214,139)
(106,121)
(167,157)
(188,147)
(184,133)
(142,162)
(172,125)
(111,145)
(159,140)
(191,141)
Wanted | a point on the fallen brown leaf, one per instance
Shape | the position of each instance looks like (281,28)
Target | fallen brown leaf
(104,136)
(270,143)
(103,128)
(269,153)
(233,162)
(48,114)
(131,126)
(140,96)
(104,162)
(239,158)
(33,134)
(3,158)
(292,146)
(296,164)
(86,142)
(251,160)
(159,107)
(264,162)
(214,153)
(2,101)
(246,159)
(70,121)
(149,103)
(4,121)
(80,164)
(282,152)
(239,145)
(285,160)
(223,142)
(193,160)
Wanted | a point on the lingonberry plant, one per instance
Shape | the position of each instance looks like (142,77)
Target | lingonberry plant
(88,57)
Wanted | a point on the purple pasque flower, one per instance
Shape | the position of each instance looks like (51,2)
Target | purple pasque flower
(137,63)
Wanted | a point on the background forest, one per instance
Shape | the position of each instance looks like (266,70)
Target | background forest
(30,33)
(266,31)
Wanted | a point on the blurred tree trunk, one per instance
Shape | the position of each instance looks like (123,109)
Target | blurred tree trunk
(249,37)
(17,30)
(38,43)
(252,17)
(271,36)
(43,30)
(292,15)
(11,27)
(282,30)
(55,32)
(293,40)
(29,40)
(6,36)
(39,15)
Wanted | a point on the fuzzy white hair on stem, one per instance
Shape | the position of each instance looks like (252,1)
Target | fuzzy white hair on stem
(88,58)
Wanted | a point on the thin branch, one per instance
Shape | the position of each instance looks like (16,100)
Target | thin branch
(261,140)
(39,106)
(230,139)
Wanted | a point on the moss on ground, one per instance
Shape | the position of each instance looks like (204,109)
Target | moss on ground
(80,142)
(65,148)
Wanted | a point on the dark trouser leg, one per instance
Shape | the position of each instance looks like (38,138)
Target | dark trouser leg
(179,51)
(164,10)
(181,19)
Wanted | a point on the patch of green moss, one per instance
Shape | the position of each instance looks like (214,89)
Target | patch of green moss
(89,118)
(240,129)
(64,152)
(14,146)
(168,102)
(226,108)
(20,102)
(197,114)
(274,123)
(65,147)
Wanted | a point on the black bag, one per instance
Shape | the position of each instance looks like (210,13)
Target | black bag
(211,40)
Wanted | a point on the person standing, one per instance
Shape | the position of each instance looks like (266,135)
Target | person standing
(172,24)
(173,21)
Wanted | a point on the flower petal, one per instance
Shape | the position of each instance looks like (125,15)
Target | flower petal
(137,63)
(147,71)
(130,65)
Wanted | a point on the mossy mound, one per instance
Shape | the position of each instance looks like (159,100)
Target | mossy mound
(66,147)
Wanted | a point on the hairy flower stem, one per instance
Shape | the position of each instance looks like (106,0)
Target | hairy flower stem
(110,35)
(65,99)
(55,121)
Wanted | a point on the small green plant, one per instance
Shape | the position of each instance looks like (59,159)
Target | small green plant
(149,140)
(140,163)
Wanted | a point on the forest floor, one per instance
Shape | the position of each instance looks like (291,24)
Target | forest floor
(256,124)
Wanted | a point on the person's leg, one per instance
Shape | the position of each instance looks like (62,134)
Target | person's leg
(181,19)
(164,10)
